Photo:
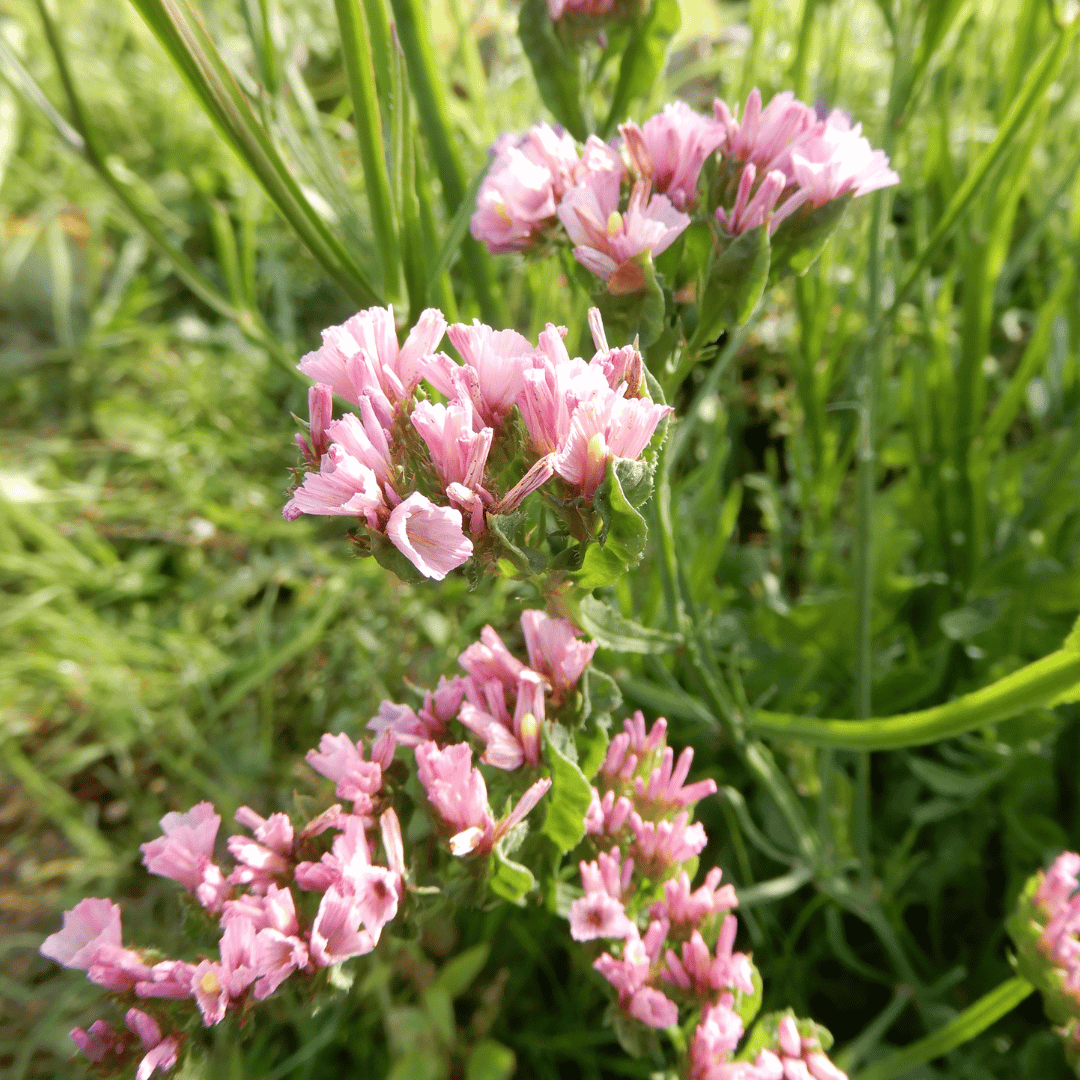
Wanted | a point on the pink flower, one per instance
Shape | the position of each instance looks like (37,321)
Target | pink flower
(537,476)
(117,969)
(215,985)
(365,440)
(681,906)
(489,658)
(670,148)
(184,854)
(598,915)
(91,924)
(608,241)
(99,1041)
(604,428)
(555,651)
(342,486)
(715,1038)
(554,387)
(275,910)
(336,933)
(509,743)
(390,828)
(167,979)
(606,816)
(277,956)
(362,356)
(618,365)
(275,832)
(608,874)
(454,788)
(834,158)
(515,201)
(341,760)
(764,138)
(627,974)
(665,785)
(259,865)
(760,209)
(320,413)
(653,1007)
(493,372)
(163,1056)
(458,451)
(429,536)
(704,974)
(1057,885)
(143,1026)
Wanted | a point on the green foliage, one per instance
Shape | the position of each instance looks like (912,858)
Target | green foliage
(567,802)
(555,67)
(733,282)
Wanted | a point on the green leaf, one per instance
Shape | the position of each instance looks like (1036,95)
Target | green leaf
(459,971)
(557,71)
(802,238)
(605,625)
(505,529)
(568,801)
(624,531)
(634,1037)
(389,558)
(417,1065)
(734,282)
(510,879)
(643,59)
(600,692)
(490,1060)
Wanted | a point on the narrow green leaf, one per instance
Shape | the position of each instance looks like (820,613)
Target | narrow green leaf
(459,226)
(356,50)
(605,625)
(179,27)
(643,60)
(568,800)
(974,1020)
(802,238)
(557,70)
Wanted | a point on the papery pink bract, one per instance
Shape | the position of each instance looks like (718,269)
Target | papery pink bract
(100,1041)
(365,440)
(277,956)
(681,906)
(362,357)
(163,1056)
(169,979)
(556,650)
(184,854)
(598,915)
(493,371)
(835,158)
(336,933)
(342,760)
(514,203)
(670,148)
(454,788)
(429,536)
(91,924)
(653,1007)
(343,486)
(458,450)
(764,137)
(608,241)
(489,658)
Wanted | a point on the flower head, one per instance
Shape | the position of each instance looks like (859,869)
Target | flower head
(184,854)
(429,536)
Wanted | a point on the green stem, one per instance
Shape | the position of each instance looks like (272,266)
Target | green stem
(1037,685)
(415,39)
(356,48)
(971,1022)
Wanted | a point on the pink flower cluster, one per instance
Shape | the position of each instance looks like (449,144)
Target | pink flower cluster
(1057,902)
(577,417)
(500,700)
(793,1057)
(559,8)
(620,203)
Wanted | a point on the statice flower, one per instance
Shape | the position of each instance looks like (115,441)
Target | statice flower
(835,158)
(556,651)
(591,8)
(185,853)
(670,148)
(607,241)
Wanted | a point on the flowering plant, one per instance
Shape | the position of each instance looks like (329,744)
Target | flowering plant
(507,455)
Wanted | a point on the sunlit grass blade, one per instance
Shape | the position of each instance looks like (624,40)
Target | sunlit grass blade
(179,28)
(356,50)
(411,25)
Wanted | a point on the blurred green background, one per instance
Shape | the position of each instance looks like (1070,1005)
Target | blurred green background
(166,637)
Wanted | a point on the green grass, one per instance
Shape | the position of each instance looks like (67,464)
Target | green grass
(166,637)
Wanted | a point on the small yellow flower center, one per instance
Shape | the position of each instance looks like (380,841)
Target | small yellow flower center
(596,451)
(209,983)
(529,726)
(614,223)
(503,212)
